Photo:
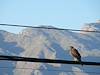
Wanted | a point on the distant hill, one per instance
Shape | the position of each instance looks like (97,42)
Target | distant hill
(51,44)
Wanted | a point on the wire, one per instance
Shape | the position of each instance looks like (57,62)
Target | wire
(47,69)
(28,59)
(48,28)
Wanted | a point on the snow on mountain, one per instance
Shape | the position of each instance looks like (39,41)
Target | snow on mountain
(51,44)
(92,26)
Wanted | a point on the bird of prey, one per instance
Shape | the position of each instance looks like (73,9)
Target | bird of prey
(76,55)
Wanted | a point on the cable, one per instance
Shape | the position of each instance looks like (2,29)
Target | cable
(48,28)
(29,59)
(47,69)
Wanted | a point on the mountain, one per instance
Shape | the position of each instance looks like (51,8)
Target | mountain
(50,44)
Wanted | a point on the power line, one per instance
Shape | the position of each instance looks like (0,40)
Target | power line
(60,70)
(16,58)
(48,28)
(27,59)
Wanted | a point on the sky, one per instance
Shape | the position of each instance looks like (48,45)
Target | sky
(70,14)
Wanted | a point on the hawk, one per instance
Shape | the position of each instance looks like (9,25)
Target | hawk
(76,55)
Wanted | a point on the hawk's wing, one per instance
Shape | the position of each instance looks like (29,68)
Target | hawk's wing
(75,53)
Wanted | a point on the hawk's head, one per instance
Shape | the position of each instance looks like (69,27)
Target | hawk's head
(71,47)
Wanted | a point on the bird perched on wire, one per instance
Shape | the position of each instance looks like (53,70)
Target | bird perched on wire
(76,55)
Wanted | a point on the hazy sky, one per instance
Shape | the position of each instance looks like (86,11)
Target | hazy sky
(59,13)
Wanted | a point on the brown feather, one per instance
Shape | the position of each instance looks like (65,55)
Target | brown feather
(75,53)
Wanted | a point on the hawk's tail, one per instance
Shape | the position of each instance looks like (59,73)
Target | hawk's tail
(80,62)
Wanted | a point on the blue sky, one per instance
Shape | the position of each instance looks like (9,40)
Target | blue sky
(59,13)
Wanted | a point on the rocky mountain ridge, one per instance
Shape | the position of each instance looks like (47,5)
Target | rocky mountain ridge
(51,44)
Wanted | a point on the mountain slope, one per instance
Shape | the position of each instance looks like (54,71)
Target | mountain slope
(51,44)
